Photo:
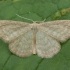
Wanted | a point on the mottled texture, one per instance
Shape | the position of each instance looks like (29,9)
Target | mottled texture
(25,39)
(59,30)
(22,46)
(46,45)
(10,30)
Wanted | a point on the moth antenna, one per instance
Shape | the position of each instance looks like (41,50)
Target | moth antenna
(30,19)
(40,21)
(44,20)
(25,18)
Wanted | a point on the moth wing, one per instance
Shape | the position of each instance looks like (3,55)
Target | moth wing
(60,29)
(9,30)
(46,46)
(22,46)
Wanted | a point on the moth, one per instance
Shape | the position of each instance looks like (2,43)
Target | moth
(42,39)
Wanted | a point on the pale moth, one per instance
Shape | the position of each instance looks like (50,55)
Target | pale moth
(43,39)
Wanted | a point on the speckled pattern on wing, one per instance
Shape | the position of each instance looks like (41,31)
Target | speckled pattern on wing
(10,30)
(46,45)
(22,46)
(59,29)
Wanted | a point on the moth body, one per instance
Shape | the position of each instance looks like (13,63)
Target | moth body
(34,30)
